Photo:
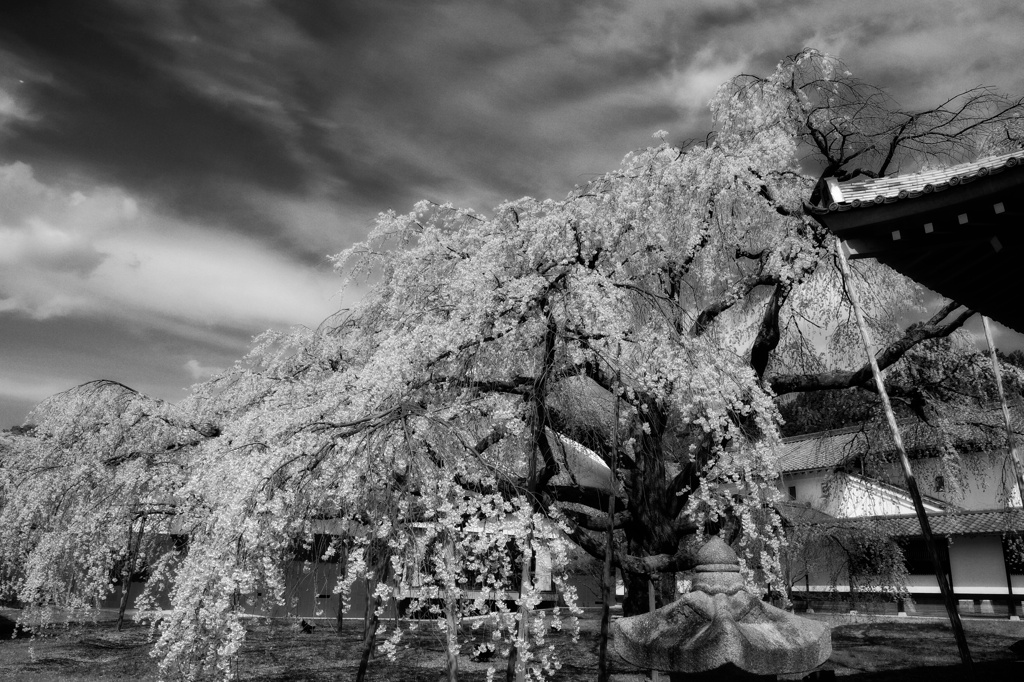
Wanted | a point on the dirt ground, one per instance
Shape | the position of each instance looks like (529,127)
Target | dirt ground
(864,648)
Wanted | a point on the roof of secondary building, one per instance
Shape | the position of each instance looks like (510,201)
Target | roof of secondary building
(980,522)
(823,450)
(799,513)
(835,448)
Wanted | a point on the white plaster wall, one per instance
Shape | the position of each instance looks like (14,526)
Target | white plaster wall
(807,484)
(857,498)
(309,591)
(847,496)
(851,497)
(977,565)
(986,480)
(924,584)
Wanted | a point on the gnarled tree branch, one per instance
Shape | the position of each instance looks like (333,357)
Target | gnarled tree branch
(915,334)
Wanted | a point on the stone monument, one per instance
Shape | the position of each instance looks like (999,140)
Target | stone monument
(722,630)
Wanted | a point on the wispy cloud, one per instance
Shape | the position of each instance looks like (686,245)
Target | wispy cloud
(199,371)
(100,253)
(179,171)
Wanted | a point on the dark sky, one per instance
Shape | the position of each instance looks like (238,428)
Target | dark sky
(173,175)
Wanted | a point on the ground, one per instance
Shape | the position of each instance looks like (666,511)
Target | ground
(864,648)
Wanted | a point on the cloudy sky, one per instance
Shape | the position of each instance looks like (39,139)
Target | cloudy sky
(174,174)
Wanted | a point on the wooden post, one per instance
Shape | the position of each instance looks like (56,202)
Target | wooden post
(370,586)
(608,577)
(1018,468)
(451,607)
(343,567)
(908,474)
(655,675)
(807,590)
(1009,581)
(516,670)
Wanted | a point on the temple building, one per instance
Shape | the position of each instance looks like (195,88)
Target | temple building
(957,231)
(849,480)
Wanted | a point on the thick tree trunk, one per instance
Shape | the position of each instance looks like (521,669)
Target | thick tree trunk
(536,479)
(650,530)
(637,591)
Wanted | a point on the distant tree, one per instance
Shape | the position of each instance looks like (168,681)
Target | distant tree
(1015,358)
(78,487)
(861,557)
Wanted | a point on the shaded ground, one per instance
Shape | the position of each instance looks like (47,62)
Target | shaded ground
(867,649)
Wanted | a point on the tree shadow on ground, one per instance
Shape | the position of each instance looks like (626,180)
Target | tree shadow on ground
(993,670)
(9,629)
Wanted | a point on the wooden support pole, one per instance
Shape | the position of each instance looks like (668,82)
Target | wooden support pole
(608,577)
(655,675)
(1011,602)
(1018,468)
(908,474)
(343,567)
(516,669)
(451,608)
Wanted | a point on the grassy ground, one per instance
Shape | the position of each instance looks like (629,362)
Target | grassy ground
(867,648)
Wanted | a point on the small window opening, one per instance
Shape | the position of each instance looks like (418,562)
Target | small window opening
(940,483)
(792,491)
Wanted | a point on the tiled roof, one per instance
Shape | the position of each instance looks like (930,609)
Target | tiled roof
(823,450)
(796,513)
(886,190)
(981,522)
(831,449)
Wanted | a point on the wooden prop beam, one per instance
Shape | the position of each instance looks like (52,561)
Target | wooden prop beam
(608,576)
(1018,468)
(908,474)
(1011,600)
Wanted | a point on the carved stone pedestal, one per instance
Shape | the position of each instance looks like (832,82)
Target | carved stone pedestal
(719,630)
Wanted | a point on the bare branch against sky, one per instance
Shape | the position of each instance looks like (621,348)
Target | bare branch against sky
(174,175)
